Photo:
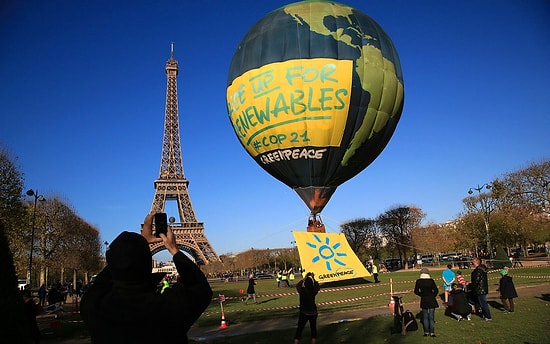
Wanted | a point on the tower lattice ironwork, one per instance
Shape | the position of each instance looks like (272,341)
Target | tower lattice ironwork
(172,184)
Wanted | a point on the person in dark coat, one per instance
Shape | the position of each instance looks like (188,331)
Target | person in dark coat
(30,311)
(122,305)
(42,295)
(307,289)
(426,288)
(480,287)
(250,291)
(460,307)
(507,291)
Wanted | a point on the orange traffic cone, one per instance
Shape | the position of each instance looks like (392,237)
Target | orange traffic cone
(223,324)
(392,303)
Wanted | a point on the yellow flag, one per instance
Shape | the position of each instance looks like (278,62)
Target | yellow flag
(329,256)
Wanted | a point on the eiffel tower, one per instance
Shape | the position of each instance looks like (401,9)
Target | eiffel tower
(172,184)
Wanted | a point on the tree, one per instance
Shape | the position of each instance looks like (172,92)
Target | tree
(397,224)
(11,189)
(11,302)
(64,240)
(361,235)
(12,212)
(524,197)
(470,233)
(484,204)
(529,187)
(434,238)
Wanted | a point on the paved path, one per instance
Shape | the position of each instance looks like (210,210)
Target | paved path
(201,334)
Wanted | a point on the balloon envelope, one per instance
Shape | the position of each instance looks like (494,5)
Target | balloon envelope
(314,94)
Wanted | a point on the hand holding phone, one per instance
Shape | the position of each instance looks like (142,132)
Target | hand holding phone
(161,224)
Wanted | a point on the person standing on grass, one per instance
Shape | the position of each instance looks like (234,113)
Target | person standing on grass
(30,311)
(42,295)
(375,272)
(480,287)
(426,288)
(507,291)
(307,289)
(448,277)
(250,291)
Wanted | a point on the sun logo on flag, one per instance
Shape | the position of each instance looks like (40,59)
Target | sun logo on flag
(327,252)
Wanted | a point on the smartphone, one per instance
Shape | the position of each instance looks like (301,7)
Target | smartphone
(161,224)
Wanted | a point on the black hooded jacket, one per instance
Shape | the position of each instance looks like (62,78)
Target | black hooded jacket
(480,285)
(126,311)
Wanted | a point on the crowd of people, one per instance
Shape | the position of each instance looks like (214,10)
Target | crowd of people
(127,278)
(49,300)
(462,299)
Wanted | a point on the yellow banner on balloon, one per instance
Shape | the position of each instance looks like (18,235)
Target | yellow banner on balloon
(289,104)
(328,256)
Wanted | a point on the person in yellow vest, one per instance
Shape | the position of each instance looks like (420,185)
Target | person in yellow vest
(284,278)
(375,272)
(279,278)
(165,284)
(291,277)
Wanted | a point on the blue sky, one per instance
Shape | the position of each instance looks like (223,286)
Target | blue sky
(82,97)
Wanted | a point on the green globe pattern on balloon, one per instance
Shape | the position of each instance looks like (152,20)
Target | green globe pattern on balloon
(321,29)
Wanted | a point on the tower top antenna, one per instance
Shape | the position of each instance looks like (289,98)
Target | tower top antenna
(172,50)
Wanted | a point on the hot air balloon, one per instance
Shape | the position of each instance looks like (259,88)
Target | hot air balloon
(314,94)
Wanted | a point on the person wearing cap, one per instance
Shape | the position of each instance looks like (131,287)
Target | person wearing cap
(426,288)
(507,291)
(480,287)
(122,305)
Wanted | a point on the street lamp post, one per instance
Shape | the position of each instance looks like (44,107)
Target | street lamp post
(485,209)
(37,197)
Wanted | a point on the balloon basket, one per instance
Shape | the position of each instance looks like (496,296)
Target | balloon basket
(315,224)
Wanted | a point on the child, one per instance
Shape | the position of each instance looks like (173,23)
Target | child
(461,280)
(507,291)
(448,277)
(460,308)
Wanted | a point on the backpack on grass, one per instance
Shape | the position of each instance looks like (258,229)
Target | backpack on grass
(403,321)
(408,322)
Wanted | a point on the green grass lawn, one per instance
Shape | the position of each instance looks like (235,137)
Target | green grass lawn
(528,325)
(356,294)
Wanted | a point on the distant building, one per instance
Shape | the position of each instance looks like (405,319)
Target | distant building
(167,268)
